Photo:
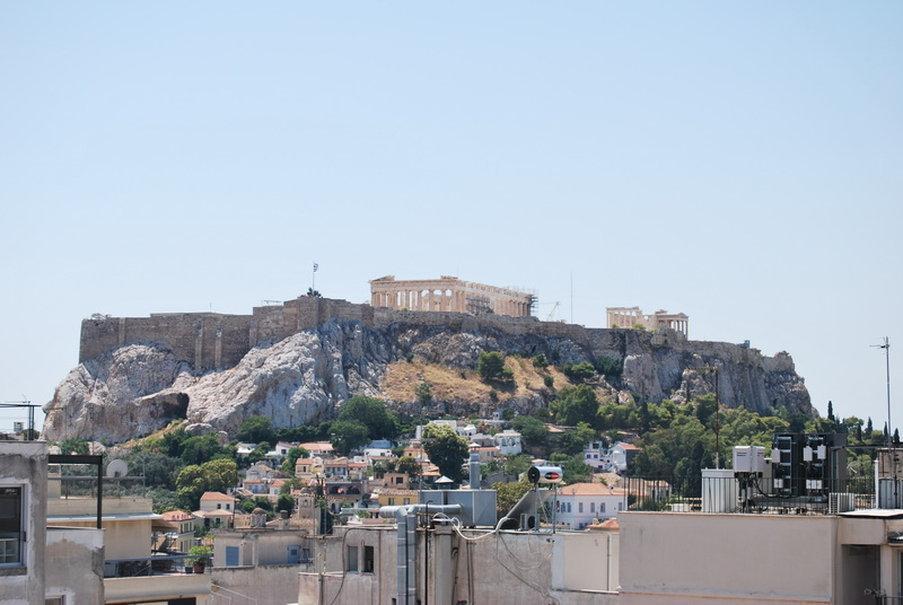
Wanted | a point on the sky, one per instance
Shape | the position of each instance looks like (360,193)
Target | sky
(739,162)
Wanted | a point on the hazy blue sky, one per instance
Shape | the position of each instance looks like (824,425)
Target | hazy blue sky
(740,162)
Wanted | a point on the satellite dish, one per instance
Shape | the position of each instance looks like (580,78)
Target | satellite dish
(117,468)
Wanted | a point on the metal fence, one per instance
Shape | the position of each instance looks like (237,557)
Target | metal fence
(748,494)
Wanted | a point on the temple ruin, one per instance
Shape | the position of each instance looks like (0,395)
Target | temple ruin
(449,294)
(633,317)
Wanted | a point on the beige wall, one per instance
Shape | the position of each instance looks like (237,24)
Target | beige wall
(702,558)
(123,539)
(265,584)
(74,564)
(23,464)
(492,562)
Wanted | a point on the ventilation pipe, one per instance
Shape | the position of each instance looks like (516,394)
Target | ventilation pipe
(474,468)
(406,520)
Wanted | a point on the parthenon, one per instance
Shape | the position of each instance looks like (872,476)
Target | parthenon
(631,317)
(450,294)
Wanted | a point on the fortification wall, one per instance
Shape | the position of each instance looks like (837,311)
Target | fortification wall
(211,341)
(207,341)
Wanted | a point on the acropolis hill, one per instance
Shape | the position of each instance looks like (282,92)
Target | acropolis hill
(297,361)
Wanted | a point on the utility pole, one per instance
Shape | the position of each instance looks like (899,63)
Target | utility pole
(886,347)
(572,297)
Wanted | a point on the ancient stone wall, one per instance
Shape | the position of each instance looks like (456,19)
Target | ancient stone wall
(208,341)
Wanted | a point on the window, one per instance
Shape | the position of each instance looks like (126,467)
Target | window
(601,507)
(218,506)
(368,559)
(620,506)
(351,558)
(11,534)
(305,554)
(60,600)
(592,507)
(227,506)
(391,501)
(580,507)
(398,480)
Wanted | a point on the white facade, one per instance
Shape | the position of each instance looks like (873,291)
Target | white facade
(508,442)
(597,456)
(581,503)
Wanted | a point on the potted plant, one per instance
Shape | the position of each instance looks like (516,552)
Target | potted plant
(198,556)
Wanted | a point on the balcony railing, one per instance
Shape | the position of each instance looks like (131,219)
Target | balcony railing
(750,495)
(178,563)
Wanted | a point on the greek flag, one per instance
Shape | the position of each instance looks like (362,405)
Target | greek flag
(316,266)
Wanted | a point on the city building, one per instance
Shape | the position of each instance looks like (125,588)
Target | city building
(449,294)
(780,559)
(633,317)
(478,566)
(178,527)
(508,442)
(579,504)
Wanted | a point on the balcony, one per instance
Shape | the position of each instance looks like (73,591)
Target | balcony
(155,578)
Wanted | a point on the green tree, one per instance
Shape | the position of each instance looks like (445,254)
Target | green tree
(579,372)
(491,367)
(540,361)
(574,467)
(372,413)
(577,438)
(288,467)
(424,393)
(508,494)
(248,505)
(608,366)
(534,431)
(575,404)
(516,465)
(348,435)
(74,446)
(200,448)
(163,499)
(159,470)
(285,502)
(195,479)
(446,449)
(256,429)
(407,464)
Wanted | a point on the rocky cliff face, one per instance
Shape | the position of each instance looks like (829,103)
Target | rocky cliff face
(139,388)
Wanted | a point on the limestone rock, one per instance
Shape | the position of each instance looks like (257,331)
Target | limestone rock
(305,377)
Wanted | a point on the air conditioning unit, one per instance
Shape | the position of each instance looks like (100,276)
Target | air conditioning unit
(749,459)
(841,502)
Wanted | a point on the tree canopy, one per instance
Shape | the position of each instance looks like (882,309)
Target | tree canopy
(373,413)
(446,449)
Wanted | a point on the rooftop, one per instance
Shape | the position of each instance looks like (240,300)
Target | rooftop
(216,496)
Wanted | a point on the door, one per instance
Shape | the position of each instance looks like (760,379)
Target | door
(231,556)
(294,554)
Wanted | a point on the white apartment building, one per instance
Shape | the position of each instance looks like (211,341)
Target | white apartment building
(581,503)
(508,442)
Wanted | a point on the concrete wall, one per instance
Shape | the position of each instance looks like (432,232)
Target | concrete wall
(74,564)
(259,547)
(24,465)
(721,558)
(510,568)
(276,584)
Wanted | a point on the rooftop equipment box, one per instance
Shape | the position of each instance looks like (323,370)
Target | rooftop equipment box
(477,505)
(749,459)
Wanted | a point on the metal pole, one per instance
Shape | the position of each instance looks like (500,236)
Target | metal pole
(99,494)
(717,424)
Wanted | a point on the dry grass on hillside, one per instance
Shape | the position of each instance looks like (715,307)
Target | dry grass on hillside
(447,384)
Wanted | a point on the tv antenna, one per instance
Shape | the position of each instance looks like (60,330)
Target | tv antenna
(886,347)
